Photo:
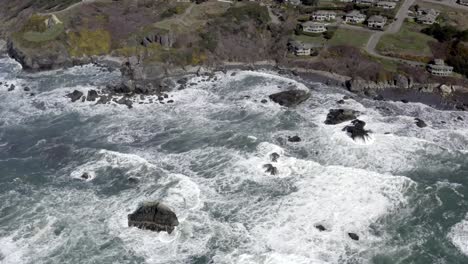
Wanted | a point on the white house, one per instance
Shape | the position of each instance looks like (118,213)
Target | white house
(386,4)
(365,2)
(377,22)
(313,27)
(439,68)
(355,17)
(303,49)
(323,15)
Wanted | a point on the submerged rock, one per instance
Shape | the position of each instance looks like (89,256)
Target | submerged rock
(290,98)
(294,139)
(270,169)
(420,123)
(154,216)
(336,116)
(353,236)
(357,131)
(75,95)
(274,157)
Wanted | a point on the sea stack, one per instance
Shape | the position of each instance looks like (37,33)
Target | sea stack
(154,216)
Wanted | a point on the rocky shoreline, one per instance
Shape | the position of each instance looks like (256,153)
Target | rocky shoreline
(142,79)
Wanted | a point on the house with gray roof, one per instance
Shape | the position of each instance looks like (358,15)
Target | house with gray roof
(377,22)
(355,17)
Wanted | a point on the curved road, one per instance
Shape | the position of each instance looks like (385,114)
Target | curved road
(391,29)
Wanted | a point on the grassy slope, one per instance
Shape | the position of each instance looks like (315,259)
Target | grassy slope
(409,42)
(348,37)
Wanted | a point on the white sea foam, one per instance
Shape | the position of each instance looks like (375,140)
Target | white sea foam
(459,235)
(227,205)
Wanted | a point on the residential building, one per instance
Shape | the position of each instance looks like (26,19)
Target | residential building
(355,17)
(365,2)
(313,27)
(303,49)
(377,22)
(386,4)
(439,68)
(427,16)
(293,2)
(323,15)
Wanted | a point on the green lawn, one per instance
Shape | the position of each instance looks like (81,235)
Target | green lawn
(409,42)
(349,37)
(310,39)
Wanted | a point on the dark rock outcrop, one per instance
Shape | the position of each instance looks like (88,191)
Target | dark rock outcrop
(357,131)
(12,87)
(290,98)
(336,116)
(320,228)
(85,176)
(75,95)
(54,57)
(294,139)
(420,123)
(270,169)
(154,216)
(92,95)
(353,236)
(125,101)
(274,157)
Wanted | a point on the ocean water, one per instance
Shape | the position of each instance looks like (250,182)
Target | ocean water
(405,193)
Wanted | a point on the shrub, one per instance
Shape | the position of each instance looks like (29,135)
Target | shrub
(249,11)
(87,42)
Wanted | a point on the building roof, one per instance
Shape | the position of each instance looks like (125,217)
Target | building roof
(313,24)
(387,3)
(302,45)
(377,19)
(355,13)
(324,12)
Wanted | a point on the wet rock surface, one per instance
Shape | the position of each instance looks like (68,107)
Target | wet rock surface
(420,123)
(337,116)
(356,130)
(272,170)
(75,95)
(290,98)
(154,216)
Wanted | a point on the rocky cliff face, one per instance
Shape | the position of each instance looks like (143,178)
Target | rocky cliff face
(52,56)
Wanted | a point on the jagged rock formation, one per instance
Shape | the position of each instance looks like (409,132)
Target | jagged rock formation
(290,98)
(357,131)
(154,216)
(336,116)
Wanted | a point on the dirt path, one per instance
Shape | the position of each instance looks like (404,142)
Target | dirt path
(71,7)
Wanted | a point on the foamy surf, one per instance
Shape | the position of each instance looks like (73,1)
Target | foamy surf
(204,156)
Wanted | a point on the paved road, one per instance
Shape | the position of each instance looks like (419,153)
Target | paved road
(449,3)
(391,29)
